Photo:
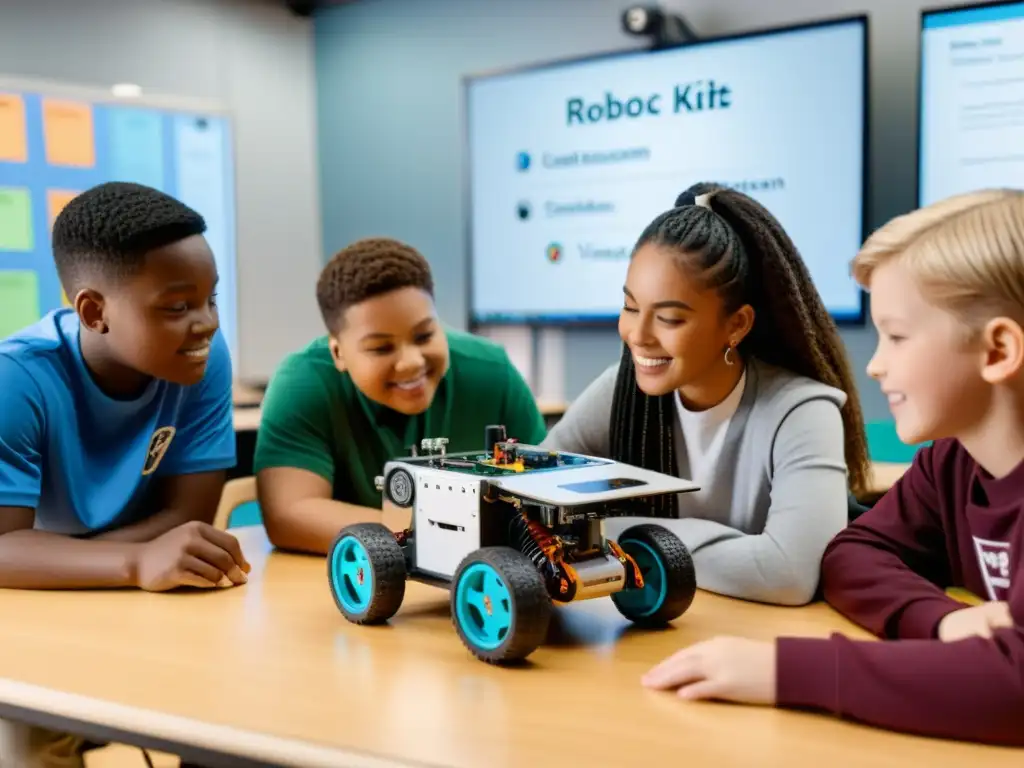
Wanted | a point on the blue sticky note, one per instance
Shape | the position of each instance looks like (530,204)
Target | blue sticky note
(136,146)
(205,183)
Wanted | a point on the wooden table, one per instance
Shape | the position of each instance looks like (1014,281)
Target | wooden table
(247,419)
(272,672)
(246,394)
(883,477)
(247,423)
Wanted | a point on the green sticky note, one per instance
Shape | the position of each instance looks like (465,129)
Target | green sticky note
(19,300)
(15,220)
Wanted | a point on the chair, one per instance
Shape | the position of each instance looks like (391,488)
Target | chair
(241,490)
(854,507)
(885,445)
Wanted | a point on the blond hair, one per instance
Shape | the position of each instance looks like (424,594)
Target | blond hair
(966,253)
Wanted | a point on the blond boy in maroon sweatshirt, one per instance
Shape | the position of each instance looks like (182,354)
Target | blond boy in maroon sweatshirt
(947,297)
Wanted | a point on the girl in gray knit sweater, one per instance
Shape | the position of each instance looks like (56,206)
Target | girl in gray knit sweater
(732,375)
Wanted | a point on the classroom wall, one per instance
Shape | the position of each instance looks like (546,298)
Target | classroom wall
(256,57)
(388,79)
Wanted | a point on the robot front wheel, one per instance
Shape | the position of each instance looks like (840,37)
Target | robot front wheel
(670,581)
(500,605)
(366,570)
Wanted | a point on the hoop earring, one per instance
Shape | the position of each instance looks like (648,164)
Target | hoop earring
(729,357)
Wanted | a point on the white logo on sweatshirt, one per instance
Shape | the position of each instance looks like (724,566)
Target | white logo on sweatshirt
(994,559)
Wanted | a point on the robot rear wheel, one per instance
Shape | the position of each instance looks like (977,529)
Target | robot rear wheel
(670,581)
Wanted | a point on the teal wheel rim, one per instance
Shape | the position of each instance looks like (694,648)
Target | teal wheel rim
(483,606)
(646,601)
(352,575)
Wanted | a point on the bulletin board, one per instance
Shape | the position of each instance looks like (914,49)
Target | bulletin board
(59,140)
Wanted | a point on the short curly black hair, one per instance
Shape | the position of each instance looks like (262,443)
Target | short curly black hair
(368,268)
(108,230)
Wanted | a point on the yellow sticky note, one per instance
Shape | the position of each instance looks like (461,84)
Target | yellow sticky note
(19,300)
(68,133)
(13,131)
(56,199)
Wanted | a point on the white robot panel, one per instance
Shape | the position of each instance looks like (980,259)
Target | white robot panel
(446,519)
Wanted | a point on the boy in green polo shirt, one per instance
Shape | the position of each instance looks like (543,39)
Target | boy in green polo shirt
(386,376)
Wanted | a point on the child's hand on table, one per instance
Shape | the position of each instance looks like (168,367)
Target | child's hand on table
(736,669)
(192,555)
(978,620)
(728,668)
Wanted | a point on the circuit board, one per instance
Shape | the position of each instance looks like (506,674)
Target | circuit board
(506,459)
(556,478)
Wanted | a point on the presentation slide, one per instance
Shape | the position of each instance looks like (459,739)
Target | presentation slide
(51,149)
(569,163)
(972,101)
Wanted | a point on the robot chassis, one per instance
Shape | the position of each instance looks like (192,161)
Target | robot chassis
(507,532)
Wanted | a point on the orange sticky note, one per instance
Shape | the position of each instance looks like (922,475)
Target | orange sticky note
(13,132)
(56,199)
(68,133)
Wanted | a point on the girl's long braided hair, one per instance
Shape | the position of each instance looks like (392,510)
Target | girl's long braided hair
(734,245)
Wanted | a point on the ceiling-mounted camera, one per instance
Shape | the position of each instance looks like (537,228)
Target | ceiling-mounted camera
(666,30)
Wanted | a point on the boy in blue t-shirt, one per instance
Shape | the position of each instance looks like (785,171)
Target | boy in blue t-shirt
(116,424)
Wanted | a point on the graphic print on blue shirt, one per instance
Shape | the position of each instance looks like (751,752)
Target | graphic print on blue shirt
(83,460)
(158,446)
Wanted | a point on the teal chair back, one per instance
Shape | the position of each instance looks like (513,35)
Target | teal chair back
(246,514)
(884,444)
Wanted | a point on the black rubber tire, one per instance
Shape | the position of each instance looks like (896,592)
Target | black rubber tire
(530,605)
(400,487)
(387,572)
(680,575)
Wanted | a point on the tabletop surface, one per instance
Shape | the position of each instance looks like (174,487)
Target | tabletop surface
(271,668)
(247,419)
(884,474)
